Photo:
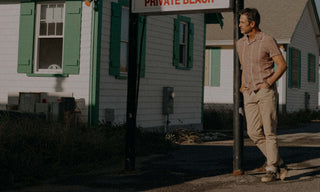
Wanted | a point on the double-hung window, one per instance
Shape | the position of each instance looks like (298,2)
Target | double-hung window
(49,37)
(124,56)
(119,40)
(183,43)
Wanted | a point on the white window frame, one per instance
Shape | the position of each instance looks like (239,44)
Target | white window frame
(38,36)
(184,44)
(124,73)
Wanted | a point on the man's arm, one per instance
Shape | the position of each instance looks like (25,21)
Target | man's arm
(242,88)
(282,67)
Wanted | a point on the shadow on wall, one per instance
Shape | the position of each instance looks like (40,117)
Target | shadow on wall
(58,86)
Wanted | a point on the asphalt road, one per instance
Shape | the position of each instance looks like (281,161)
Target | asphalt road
(207,167)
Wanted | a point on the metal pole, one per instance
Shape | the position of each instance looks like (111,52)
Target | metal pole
(132,92)
(238,114)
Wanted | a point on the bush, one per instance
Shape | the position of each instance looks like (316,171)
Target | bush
(223,120)
(296,118)
(31,149)
(218,120)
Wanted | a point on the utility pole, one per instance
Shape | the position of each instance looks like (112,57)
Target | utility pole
(238,112)
(132,92)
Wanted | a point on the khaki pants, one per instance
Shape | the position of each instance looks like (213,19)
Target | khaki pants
(260,109)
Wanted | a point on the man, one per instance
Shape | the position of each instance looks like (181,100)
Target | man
(257,53)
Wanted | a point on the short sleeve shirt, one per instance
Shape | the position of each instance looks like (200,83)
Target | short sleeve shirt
(256,59)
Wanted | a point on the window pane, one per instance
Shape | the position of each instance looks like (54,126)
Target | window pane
(50,53)
(125,24)
(124,57)
(58,13)
(59,29)
(182,55)
(182,33)
(62,10)
(51,28)
(43,28)
(43,11)
(49,15)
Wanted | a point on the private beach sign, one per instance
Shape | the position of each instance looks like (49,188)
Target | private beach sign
(173,6)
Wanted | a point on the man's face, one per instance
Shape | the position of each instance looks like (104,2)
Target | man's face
(244,25)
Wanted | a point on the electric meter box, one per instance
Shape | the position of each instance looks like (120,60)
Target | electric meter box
(168,100)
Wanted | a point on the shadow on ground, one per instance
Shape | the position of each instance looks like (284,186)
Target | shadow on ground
(190,162)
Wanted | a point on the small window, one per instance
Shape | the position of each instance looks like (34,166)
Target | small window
(312,68)
(49,38)
(183,43)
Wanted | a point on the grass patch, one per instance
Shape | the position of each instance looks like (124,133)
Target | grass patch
(33,150)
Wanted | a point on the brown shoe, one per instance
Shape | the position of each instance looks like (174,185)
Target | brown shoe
(261,169)
(269,176)
(283,171)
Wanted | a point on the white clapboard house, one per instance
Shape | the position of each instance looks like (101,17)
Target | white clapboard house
(53,51)
(295,26)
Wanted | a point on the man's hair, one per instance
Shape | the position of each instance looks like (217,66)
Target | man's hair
(252,15)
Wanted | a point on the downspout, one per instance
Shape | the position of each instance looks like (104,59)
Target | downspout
(94,89)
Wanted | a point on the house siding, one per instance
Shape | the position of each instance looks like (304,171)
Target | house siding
(159,73)
(224,93)
(304,40)
(12,82)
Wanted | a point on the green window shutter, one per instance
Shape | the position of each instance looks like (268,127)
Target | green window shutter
(319,77)
(309,65)
(214,18)
(72,37)
(115,38)
(176,42)
(290,68)
(190,45)
(142,20)
(124,2)
(215,67)
(315,69)
(299,70)
(26,36)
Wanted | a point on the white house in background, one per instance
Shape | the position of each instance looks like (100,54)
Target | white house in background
(295,26)
(56,49)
